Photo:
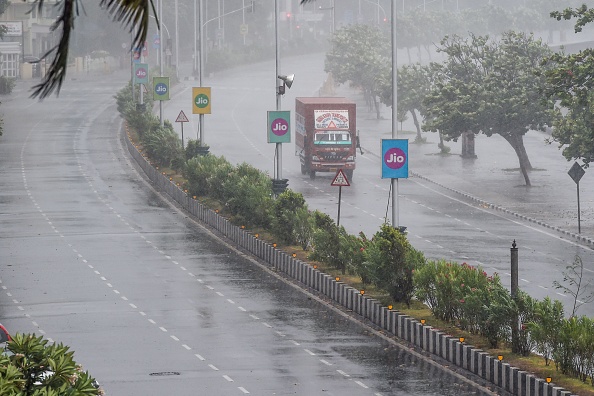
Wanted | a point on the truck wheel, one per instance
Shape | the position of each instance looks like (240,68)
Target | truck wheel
(303,169)
(349,174)
(312,175)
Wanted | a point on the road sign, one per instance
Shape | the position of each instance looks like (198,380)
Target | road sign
(161,88)
(340,180)
(144,90)
(182,117)
(576,172)
(394,158)
(140,73)
(279,127)
(243,29)
(156,41)
(201,100)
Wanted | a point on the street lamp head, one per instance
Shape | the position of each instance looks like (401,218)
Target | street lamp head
(287,82)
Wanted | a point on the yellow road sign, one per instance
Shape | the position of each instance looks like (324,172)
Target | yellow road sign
(201,100)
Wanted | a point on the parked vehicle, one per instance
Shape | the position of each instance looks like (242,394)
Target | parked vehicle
(325,135)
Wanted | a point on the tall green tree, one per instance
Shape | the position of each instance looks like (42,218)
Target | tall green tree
(571,82)
(491,87)
(360,55)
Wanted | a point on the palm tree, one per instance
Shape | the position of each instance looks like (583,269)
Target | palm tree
(131,13)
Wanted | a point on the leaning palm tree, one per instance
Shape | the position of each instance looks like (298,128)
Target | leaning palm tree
(131,13)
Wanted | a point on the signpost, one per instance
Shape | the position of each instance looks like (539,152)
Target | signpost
(161,88)
(394,158)
(576,172)
(279,127)
(140,73)
(181,118)
(339,181)
(201,100)
(395,166)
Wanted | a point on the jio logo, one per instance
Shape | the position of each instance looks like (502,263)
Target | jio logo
(280,126)
(395,158)
(161,89)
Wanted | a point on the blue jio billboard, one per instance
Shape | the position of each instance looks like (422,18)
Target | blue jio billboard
(394,158)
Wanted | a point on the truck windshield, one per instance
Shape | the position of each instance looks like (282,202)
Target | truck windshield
(332,137)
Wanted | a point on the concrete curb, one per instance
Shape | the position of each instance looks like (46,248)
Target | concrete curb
(577,237)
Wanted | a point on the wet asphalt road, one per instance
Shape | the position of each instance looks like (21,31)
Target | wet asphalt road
(148,300)
(441,223)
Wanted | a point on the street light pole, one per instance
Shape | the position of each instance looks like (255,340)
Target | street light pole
(161,57)
(176,42)
(201,68)
(195,38)
(395,215)
(279,146)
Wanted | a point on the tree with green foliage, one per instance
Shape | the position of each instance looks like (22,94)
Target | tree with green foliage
(491,87)
(359,55)
(414,84)
(34,367)
(571,82)
(283,217)
(575,284)
(325,240)
(393,260)
(544,327)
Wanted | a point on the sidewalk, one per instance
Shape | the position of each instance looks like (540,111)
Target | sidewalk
(493,179)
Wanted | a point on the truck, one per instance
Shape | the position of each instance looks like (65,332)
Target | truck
(326,135)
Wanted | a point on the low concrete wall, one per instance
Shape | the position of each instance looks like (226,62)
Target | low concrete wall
(409,329)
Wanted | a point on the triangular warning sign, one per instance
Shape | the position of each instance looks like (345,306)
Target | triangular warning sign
(182,117)
(144,90)
(340,180)
(331,125)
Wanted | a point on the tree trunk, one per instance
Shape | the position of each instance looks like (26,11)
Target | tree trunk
(517,142)
(417,125)
(377,107)
(428,52)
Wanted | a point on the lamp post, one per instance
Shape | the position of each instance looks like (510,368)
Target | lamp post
(395,215)
(331,8)
(279,146)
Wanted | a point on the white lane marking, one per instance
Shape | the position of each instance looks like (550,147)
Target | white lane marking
(199,356)
(230,301)
(361,384)
(327,363)
(212,366)
(310,352)
(163,329)
(187,347)
(280,334)
(227,378)
(210,287)
(242,309)
(220,294)
(254,317)
(343,373)
(542,287)
(267,325)
(295,342)
(241,388)
(524,280)
(133,306)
